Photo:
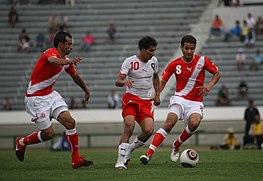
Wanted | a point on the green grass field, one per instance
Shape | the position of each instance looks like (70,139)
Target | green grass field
(213,165)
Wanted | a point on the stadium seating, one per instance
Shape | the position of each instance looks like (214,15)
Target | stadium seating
(167,21)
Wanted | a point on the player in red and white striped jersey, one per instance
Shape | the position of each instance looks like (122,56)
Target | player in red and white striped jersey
(43,104)
(139,75)
(186,104)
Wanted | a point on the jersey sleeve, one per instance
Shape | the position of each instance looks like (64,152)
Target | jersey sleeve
(71,69)
(125,67)
(155,66)
(168,72)
(210,66)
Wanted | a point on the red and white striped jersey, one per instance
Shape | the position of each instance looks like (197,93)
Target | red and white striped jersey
(45,75)
(189,76)
(142,75)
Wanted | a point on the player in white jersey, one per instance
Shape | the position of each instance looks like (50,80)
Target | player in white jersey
(186,104)
(43,104)
(139,75)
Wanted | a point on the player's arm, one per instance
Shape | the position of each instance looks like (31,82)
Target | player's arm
(156,86)
(206,89)
(80,82)
(60,61)
(121,82)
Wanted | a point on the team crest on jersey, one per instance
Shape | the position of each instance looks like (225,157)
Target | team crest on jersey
(153,66)
(199,66)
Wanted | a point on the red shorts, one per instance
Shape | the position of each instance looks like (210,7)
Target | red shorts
(139,108)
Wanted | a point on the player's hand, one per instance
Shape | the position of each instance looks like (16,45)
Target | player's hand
(204,90)
(87,96)
(157,101)
(75,60)
(129,83)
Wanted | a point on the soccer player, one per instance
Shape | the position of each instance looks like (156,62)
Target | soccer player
(186,104)
(43,104)
(139,75)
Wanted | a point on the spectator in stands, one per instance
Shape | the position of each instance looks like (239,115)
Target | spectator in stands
(257,61)
(250,38)
(223,97)
(52,27)
(23,42)
(83,104)
(217,27)
(236,3)
(87,41)
(62,22)
(234,32)
(240,59)
(259,25)
(70,2)
(61,144)
(244,31)
(256,131)
(251,113)
(230,141)
(73,104)
(113,100)
(12,16)
(111,33)
(41,42)
(7,104)
(251,22)
(242,91)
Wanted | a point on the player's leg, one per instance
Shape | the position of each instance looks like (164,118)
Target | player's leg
(124,146)
(159,137)
(147,126)
(68,122)
(46,132)
(193,123)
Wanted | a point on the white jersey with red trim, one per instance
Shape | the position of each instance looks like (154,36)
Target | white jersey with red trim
(45,75)
(142,75)
(189,76)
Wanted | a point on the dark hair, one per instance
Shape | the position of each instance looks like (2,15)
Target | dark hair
(61,37)
(146,42)
(188,39)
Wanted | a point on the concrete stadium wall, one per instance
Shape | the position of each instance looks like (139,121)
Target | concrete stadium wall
(109,122)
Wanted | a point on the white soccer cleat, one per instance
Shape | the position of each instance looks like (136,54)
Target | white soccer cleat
(127,158)
(175,154)
(145,159)
(120,165)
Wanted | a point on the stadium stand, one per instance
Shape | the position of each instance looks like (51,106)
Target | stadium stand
(167,21)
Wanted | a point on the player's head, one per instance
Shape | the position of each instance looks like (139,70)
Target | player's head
(147,46)
(188,44)
(63,41)
(146,42)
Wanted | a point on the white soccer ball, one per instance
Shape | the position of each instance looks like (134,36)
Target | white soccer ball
(189,158)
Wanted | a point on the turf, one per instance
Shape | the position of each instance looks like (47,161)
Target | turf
(213,165)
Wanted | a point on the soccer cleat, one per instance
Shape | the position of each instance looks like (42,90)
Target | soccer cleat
(175,154)
(81,162)
(145,159)
(120,166)
(20,150)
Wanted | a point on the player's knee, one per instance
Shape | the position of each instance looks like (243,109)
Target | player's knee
(70,124)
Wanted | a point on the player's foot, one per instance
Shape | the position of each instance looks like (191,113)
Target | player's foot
(128,158)
(81,162)
(20,150)
(120,166)
(175,154)
(145,159)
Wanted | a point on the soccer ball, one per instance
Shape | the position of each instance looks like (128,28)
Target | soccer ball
(189,158)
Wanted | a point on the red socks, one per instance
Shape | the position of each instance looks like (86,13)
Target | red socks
(34,138)
(74,145)
(157,141)
(183,137)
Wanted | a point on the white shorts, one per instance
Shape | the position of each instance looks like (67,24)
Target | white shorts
(184,108)
(43,108)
